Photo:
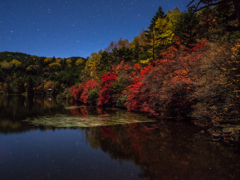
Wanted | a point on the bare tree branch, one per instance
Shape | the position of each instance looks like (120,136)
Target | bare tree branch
(206,4)
(190,3)
(209,3)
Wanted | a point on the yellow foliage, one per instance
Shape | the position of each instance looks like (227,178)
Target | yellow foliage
(54,64)
(5,65)
(48,59)
(15,62)
(79,61)
(58,60)
(164,31)
(140,39)
(32,67)
(92,65)
(69,61)
(144,61)
(48,84)
(34,57)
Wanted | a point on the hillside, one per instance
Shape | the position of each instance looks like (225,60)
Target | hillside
(20,73)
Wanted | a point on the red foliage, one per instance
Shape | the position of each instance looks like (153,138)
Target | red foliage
(164,84)
(71,89)
(199,46)
(132,71)
(38,87)
(105,85)
(81,93)
(135,100)
(86,87)
(76,93)
(160,86)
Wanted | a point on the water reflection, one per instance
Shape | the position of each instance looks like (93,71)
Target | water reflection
(149,150)
(14,109)
(21,107)
(165,151)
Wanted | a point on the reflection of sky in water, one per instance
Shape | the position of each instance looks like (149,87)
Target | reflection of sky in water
(103,144)
(62,154)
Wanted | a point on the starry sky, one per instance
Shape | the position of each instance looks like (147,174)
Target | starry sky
(66,28)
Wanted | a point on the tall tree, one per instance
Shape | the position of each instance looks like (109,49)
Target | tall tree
(92,66)
(159,14)
(187,27)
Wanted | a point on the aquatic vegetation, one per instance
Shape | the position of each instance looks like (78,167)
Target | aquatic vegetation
(70,121)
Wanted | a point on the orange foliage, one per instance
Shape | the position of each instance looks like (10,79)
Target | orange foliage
(164,85)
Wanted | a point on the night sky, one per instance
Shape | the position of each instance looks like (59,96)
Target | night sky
(65,28)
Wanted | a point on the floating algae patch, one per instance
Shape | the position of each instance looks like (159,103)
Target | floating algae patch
(69,121)
(73,107)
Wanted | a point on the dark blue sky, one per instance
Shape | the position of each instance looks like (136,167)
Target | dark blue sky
(65,28)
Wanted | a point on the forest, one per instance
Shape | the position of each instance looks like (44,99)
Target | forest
(185,65)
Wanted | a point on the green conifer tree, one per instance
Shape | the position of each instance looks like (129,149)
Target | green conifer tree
(187,28)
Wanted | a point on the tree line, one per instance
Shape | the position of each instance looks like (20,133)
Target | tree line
(186,64)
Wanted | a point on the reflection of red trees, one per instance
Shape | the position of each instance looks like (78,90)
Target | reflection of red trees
(38,87)
(134,140)
(81,111)
(107,132)
(139,135)
(101,111)
(75,112)
(38,101)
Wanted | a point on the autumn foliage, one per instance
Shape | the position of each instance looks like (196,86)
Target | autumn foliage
(171,70)
(105,86)
(165,85)
(81,92)
(162,88)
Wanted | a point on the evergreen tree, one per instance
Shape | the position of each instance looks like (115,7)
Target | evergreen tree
(136,51)
(187,27)
(159,14)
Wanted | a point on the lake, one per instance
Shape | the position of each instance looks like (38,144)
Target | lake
(42,138)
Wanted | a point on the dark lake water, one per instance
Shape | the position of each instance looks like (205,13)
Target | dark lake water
(41,138)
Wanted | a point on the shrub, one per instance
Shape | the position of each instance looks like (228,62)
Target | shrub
(68,96)
(105,86)
(164,87)
(93,94)
(121,101)
(86,88)
(217,86)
